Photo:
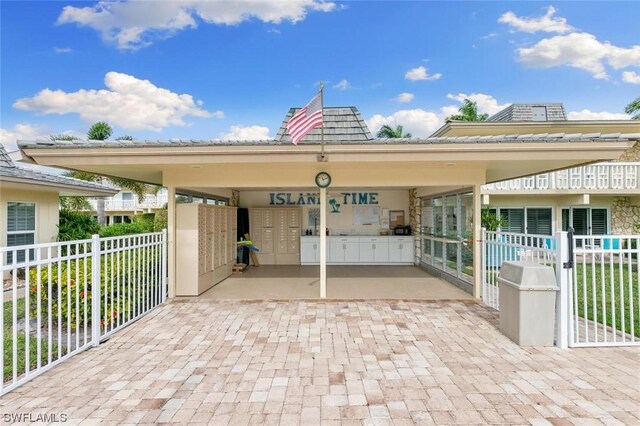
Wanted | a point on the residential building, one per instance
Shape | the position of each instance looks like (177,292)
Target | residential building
(30,202)
(595,199)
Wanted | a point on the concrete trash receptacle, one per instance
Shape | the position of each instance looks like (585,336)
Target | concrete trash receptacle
(527,303)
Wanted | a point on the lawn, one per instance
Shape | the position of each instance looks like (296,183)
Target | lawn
(609,290)
(7,368)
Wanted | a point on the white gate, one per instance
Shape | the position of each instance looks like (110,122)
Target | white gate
(598,276)
(604,296)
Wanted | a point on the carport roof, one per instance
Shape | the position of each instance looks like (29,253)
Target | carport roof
(511,138)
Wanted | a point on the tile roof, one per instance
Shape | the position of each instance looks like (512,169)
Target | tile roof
(524,138)
(10,170)
(524,112)
(341,124)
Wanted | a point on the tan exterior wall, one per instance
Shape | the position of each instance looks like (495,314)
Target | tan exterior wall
(557,202)
(341,222)
(47,212)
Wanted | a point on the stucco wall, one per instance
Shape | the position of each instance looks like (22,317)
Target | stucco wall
(557,202)
(336,222)
(47,212)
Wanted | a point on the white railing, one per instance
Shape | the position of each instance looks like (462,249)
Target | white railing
(59,304)
(604,291)
(150,201)
(498,247)
(601,176)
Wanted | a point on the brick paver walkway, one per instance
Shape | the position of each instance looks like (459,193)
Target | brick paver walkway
(333,362)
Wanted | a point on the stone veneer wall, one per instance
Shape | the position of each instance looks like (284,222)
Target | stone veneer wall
(632,154)
(624,216)
(414,218)
(235,198)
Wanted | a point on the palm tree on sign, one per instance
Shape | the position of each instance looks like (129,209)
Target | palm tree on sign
(634,108)
(101,131)
(468,112)
(391,133)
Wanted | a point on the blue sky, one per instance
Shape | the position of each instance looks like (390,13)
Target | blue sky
(203,70)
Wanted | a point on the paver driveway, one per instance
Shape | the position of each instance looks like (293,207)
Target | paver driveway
(333,362)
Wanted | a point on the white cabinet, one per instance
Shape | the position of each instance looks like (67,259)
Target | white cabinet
(343,250)
(310,250)
(358,250)
(401,250)
(374,250)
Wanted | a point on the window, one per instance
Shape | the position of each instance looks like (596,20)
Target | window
(514,219)
(127,196)
(586,220)
(21,227)
(539,221)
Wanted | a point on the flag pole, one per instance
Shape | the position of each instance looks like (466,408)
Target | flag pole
(322,157)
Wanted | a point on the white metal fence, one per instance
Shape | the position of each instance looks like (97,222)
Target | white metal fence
(55,303)
(604,294)
(598,276)
(498,247)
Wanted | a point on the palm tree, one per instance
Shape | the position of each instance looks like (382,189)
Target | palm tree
(101,131)
(634,108)
(391,133)
(468,112)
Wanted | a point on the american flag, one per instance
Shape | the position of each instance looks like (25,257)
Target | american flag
(305,120)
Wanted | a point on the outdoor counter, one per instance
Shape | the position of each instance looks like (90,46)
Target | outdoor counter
(359,250)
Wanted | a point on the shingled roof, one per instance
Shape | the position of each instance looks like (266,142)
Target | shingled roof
(10,171)
(341,125)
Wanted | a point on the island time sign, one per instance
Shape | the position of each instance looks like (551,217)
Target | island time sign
(302,199)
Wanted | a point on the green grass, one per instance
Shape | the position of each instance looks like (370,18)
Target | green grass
(7,368)
(619,295)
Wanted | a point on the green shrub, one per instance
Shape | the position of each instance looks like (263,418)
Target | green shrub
(146,220)
(76,226)
(72,281)
(161,220)
(118,229)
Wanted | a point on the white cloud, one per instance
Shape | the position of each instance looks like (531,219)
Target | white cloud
(579,50)
(21,131)
(586,114)
(489,36)
(405,97)
(631,77)
(418,122)
(129,103)
(218,114)
(239,133)
(422,123)
(421,73)
(547,23)
(343,85)
(487,104)
(133,24)
(62,49)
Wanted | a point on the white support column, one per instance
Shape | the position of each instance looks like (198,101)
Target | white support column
(562,300)
(477,242)
(171,234)
(323,243)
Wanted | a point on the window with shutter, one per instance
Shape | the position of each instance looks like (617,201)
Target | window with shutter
(514,219)
(579,222)
(539,221)
(21,227)
(598,221)
(565,219)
